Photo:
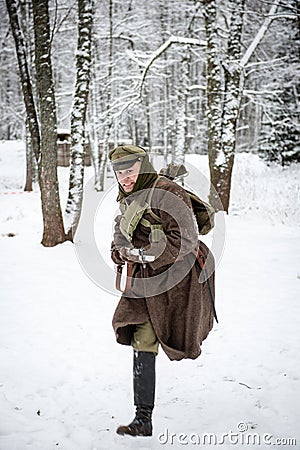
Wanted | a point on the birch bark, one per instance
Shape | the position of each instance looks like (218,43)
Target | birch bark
(25,79)
(109,119)
(221,161)
(224,93)
(78,116)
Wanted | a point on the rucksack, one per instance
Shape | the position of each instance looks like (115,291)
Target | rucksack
(204,213)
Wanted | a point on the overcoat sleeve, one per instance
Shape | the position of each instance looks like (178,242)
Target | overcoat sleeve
(118,241)
(172,205)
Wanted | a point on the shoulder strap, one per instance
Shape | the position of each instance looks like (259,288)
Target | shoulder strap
(157,228)
(132,214)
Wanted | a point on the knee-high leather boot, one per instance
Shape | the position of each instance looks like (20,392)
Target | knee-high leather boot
(144,392)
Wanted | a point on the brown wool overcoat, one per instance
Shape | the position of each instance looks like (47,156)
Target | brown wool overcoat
(170,294)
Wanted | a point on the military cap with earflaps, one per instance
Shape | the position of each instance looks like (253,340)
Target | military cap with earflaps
(124,156)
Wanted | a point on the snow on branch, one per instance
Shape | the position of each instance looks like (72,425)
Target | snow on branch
(163,48)
(261,32)
(136,98)
(266,62)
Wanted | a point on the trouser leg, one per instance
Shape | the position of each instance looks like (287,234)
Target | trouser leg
(144,338)
(143,383)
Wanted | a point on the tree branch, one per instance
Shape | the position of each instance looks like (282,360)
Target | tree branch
(261,32)
(163,48)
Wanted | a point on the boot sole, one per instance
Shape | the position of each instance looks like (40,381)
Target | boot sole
(125,431)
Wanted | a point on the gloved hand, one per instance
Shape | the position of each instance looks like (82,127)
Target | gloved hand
(126,255)
(135,255)
(115,255)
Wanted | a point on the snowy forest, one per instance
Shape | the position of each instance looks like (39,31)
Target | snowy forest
(213,84)
(207,77)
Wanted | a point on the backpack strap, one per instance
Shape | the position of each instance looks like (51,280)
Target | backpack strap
(156,228)
(133,213)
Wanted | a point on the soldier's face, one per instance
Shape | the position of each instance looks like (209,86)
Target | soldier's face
(127,177)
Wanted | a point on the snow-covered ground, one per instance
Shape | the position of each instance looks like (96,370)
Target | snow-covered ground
(65,383)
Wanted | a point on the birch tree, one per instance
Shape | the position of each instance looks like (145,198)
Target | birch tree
(43,140)
(27,26)
(150,54)
(92,120)
(223,116)
(26,84)
(223,113)
(213,86)
(181,113)
(78,116)
(108,119)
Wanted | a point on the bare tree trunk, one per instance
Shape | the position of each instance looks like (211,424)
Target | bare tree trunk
(180,114)
(214,93)
(78,116)
(222,163)
(148,120)
(103,163)
(223,110)
(24,76)
(179,149)
(25,24)
(44,142)
(165,122)
(108,127)
(52,216)
(93,129)
(29,163)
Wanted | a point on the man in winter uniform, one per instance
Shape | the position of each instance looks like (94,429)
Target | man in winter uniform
(165,303)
